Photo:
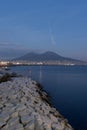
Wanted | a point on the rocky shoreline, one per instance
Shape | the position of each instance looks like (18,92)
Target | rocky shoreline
(25,106)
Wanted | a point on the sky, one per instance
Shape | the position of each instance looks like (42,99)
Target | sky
(43,25)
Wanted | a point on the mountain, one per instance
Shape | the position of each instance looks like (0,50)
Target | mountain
(48,57)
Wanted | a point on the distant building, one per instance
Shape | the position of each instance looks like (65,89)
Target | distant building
(4,63)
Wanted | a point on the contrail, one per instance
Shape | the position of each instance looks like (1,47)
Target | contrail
(53,42)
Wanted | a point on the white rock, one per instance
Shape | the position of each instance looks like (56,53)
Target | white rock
(30,125)
(47,126)
(13,121)
(38,123)
(14,114)
(20,107)
(58,126)
(23,109)
(26,119)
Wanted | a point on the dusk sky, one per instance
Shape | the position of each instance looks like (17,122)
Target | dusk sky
(43,25)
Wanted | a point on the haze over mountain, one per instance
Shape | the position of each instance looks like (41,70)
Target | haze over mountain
(47,56)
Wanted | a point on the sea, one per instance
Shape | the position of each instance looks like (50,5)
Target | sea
(67,86)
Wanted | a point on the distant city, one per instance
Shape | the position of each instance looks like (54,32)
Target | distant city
(47,58)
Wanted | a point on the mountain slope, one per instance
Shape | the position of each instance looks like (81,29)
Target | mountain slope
(47,56)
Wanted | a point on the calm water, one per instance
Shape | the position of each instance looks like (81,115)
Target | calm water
(67,87)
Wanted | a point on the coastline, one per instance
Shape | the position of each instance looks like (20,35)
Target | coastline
(26,106)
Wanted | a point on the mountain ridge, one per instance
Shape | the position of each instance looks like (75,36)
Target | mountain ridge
(47,57)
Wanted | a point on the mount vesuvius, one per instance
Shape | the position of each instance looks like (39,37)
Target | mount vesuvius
(48,57)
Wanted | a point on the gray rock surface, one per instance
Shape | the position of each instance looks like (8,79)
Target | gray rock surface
(23,108)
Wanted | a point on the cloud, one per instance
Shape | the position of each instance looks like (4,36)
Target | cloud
(6,44)
(11,45)
(10,50)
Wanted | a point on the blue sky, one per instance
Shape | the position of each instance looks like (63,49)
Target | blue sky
(43,25)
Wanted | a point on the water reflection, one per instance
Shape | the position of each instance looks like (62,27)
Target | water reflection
(40,74)
(30,72)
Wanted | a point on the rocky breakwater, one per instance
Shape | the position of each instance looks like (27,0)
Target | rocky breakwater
(24,106)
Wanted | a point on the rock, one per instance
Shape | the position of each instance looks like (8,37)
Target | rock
(14,114)
(20,107)
(13,121)
(9,110)
(16,127)
(30,125)
(2,123)
(26,119)
(58,126)
(38,123)
(6,127)
(4,116)
(47,126)
(1,106)
(23,108)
